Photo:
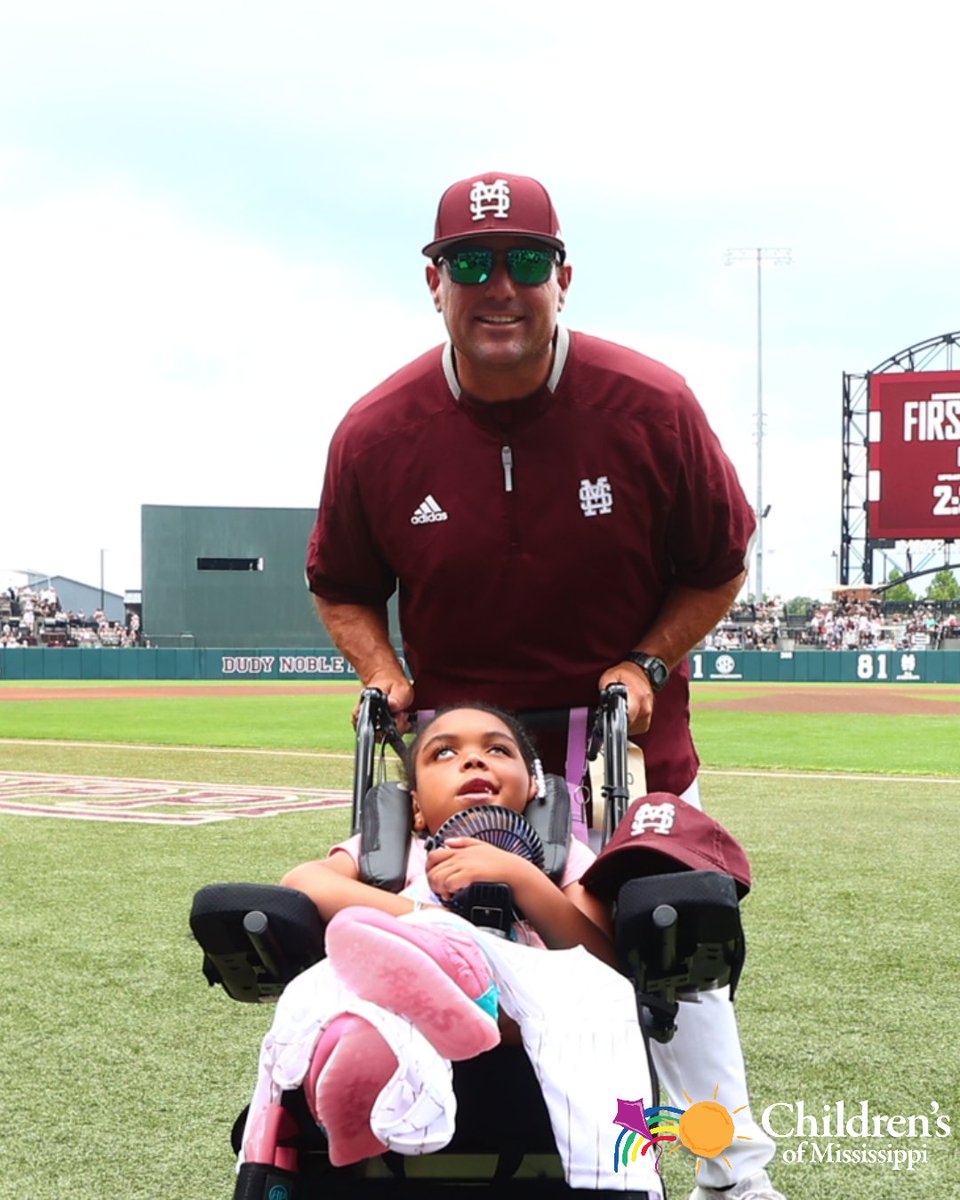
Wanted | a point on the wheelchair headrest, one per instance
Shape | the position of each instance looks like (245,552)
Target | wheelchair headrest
(551,817)
(386,822)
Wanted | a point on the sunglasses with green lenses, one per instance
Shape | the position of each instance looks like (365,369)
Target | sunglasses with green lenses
(527,265)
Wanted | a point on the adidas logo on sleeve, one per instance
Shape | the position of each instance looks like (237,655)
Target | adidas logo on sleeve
(428,512)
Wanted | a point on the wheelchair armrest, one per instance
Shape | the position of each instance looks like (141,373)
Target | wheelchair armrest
(679,934)
(255,937)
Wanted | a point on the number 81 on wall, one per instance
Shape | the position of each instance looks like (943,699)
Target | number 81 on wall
(875,667)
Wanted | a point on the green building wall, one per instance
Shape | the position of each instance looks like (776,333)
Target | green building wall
(185,604)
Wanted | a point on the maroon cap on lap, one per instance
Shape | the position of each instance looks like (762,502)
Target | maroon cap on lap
(662,833)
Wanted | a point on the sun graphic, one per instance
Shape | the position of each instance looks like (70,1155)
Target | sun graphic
(706,1128)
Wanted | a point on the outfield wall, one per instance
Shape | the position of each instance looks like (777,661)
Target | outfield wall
(326,663)
(826,666)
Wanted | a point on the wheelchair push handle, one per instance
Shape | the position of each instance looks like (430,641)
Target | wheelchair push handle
(375,724)
(610,729)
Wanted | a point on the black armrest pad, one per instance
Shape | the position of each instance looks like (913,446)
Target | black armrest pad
(294,937)
(708,945)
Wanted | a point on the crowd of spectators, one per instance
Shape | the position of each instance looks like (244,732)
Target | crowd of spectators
(34,617)
(838,625)
(750,627)
(920,626)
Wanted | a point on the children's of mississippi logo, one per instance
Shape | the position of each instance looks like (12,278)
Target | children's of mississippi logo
(706,1128)
(854,1134)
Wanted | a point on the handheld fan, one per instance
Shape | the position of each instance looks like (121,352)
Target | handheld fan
(498,826)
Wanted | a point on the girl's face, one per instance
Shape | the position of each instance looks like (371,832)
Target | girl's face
(468,757)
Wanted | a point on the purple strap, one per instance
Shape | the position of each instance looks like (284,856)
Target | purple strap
(575,769)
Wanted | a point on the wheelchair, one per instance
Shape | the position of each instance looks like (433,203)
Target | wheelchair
(676,934)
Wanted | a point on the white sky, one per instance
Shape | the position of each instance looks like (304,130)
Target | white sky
(211,216)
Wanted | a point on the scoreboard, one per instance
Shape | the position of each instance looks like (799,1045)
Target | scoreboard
(913,482)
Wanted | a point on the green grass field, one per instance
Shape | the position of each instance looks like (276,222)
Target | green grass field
(122,1071)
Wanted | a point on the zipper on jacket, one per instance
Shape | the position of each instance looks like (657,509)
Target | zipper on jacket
(506,457)
(510,509)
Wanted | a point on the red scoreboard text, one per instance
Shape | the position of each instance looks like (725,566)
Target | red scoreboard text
(913,488)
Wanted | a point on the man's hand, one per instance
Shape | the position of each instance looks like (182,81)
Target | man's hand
(361,635)
(639,694)
(399,693)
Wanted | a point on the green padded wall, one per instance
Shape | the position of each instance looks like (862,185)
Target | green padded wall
(322,661)
(184,606)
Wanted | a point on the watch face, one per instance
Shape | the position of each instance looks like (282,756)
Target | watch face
(655,668)
(658,672)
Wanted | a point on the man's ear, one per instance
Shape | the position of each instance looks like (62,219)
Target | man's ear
(564,277)
(433,283)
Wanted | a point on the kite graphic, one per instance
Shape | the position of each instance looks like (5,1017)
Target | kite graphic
(642,1128)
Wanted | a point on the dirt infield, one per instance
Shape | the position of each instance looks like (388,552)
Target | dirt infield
(877,699)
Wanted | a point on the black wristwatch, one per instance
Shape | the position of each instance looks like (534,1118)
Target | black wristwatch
(656,669)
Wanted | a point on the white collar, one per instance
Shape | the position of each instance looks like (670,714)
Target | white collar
(561,350)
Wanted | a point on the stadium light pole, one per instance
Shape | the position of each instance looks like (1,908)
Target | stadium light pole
(775,256)
(102,553)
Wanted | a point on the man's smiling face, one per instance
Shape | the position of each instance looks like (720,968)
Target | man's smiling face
(502,332)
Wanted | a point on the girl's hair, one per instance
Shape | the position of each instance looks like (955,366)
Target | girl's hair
(520,735)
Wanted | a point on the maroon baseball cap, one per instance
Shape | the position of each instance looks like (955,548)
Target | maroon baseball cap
(662,833)
(494,203)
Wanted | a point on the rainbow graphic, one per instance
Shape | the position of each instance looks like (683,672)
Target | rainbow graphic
(642,1128)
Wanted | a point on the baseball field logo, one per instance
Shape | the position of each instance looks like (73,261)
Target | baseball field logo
(152,801)
(706,1128)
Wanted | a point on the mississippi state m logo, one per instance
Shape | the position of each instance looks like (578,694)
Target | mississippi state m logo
(596,498)
(654,818)
(490,199)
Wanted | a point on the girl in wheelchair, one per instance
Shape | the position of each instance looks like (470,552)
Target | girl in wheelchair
(409,986)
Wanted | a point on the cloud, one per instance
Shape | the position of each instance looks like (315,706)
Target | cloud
(151,360)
